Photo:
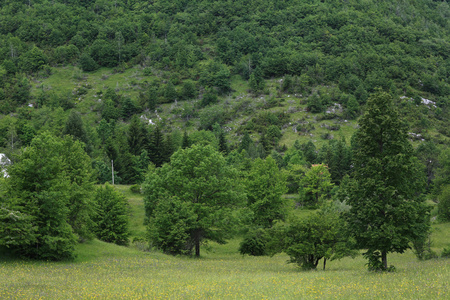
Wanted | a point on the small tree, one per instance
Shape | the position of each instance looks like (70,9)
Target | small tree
(265,186)
(320,235)
(74,127)
(111,218)
(444,204)
(315,185)
(87,63)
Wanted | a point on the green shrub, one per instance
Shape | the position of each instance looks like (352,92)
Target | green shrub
(254,243)
(444,204)
(135,189)
(445,253)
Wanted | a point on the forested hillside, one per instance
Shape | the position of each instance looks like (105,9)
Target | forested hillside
(134,81)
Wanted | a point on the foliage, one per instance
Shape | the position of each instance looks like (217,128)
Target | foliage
(74,127)
(198,177)
(387,210)
(135,189)
(315,185)
(38,198)
(81,179)
(111,216)
(445,253)
(87,63)
(265,186)
(254,243)
(172,225)
(320,235)
(444,204)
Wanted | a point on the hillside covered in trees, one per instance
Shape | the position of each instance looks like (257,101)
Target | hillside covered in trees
(234,66)
(267,84)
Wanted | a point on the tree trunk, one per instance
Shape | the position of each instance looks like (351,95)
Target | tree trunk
(384,259)
(197,243)
(324,263)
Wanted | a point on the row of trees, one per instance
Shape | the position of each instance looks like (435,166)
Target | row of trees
(196,198)
(206,193)
(49,203)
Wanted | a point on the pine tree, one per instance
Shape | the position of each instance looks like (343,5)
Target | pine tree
(74,127)
(387,209)
(185,143)
(135,136)
(111,216)
(245,142)
(170,94)
(156,147)
(223,147)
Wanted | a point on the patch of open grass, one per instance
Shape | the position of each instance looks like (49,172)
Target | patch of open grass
(137,211)
(109,272)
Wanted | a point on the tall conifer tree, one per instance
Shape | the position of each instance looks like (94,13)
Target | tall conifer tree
(387,209)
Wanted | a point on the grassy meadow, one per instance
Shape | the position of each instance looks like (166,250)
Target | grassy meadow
(106,271)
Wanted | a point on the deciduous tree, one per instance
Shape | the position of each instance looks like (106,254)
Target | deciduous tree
(198,177)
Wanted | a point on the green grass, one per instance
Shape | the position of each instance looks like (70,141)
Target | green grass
(110,272)
(106,271)
(136,212)
(65,81)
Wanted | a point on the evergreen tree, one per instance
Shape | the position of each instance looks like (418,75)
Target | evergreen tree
(77,165)
(74,127)
(387,210)
(256,81)
(156,147)
(170,94)
(186,142)
(223,147)
(309,150)
(135,136)
(111,216)
(87,63)
(245,142)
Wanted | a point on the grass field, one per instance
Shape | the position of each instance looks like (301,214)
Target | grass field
(105,271)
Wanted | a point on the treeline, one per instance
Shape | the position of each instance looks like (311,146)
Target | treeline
(203,190)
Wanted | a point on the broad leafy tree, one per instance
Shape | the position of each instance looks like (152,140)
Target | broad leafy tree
(38,193)
(321,235)
(198,181)
(315,185)
(265,186)
(387,209)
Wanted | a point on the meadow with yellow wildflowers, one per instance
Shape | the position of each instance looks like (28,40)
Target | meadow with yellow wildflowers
(107,271)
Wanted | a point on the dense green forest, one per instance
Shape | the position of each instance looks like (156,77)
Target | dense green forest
(261,87)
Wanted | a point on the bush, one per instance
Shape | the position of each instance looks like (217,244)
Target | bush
(135,189)
(254,243)
(444,204)
(445,253)
(87,63)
